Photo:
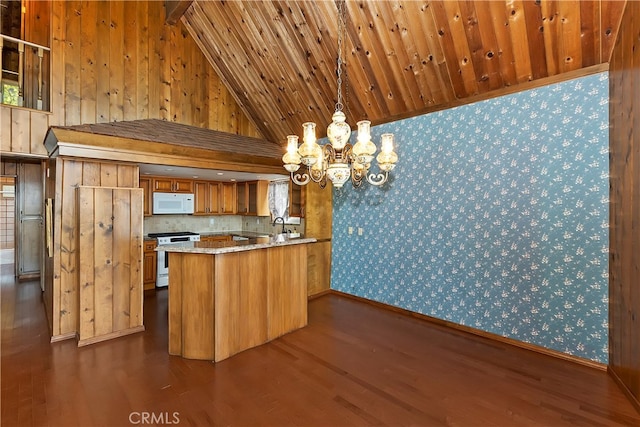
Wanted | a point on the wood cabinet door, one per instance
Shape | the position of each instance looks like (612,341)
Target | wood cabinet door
(150,269)
(252,198)
(228,198)
(201,198)
(183,185)
(241,195)
(213,193)
(145,184)
(296,200)
(164,185)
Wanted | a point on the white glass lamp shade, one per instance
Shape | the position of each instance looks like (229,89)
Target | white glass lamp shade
(387,158)
(338,131)
(292,156)
(308,149)
(364,149)
(338,173)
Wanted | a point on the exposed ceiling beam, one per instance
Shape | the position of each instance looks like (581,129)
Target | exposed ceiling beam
(175,9)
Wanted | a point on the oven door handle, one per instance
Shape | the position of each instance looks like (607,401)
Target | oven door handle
(166,259)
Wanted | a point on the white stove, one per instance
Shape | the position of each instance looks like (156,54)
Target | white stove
(162,278)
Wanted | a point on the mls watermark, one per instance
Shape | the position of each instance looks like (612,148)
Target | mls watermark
(154,418)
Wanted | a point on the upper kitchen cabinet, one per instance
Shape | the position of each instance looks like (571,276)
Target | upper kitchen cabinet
(253,198)
(172,185)
(228,198)
(296,200)
(207,197)
(145,184)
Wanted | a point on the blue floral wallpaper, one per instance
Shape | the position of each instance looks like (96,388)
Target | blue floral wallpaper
(496,217)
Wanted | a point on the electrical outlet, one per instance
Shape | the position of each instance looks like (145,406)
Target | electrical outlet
(350,230)
(212,221)
(360,231)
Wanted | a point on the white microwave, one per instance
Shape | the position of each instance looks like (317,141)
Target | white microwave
(173,203)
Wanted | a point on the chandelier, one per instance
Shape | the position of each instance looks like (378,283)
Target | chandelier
(338,160)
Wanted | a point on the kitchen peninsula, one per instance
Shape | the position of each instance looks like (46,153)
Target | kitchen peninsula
(229,296)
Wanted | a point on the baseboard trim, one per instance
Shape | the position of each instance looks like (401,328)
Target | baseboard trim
(319,294)
(112,335)
(632,398)
(63,337)
(469,330)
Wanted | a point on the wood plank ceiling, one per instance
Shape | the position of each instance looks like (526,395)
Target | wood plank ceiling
(402,57)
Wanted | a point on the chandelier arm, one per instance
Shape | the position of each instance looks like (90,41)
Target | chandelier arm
(300,179)
(377,179)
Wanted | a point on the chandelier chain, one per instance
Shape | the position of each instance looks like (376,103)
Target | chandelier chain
(341,4)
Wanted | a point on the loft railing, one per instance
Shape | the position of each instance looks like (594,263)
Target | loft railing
(25,73)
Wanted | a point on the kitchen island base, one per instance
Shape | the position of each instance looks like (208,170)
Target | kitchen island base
(222,304)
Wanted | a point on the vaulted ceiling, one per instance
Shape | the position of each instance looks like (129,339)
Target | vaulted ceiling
(402,57)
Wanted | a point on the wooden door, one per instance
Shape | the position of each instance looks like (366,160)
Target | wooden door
(110,262)
(30,220)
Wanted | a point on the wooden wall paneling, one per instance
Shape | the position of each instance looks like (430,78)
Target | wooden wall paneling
(286,289)
(166,105)
(624,263)
(58,37)
(47,296)
(89,63)
(130,58)
(103,253)
(109,175)
(174,328)
(156,62)
(102,72)
(116,61)
(72,62)
(122,258)
(136,255)
(318,212)
(126,176)
(176,75)
(38,130)
(91,174)
(252,299)
(318,267)
(143,72)
(227,311)
(20,130)
(66,270)
(5,128)
(86,241)
(110,250)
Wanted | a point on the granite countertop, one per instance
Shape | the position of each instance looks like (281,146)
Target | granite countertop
(215,248)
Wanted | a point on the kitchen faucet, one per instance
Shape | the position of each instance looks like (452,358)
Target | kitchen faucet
(275,221)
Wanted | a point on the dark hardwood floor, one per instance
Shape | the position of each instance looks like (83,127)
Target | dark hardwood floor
(354,364)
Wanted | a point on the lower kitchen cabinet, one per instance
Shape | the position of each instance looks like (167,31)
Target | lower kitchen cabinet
(150,259)
(225,238)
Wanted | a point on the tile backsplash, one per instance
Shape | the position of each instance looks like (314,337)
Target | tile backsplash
(214,224)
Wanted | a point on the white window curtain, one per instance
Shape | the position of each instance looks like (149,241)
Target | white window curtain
(279,199)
